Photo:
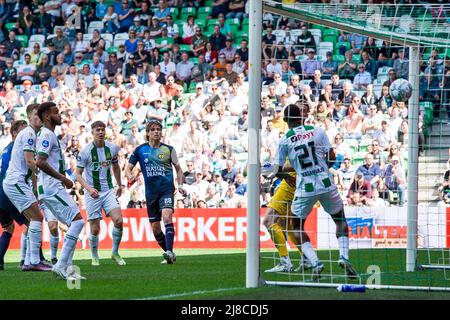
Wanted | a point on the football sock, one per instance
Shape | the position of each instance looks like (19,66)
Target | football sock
(35,234)
(293,239)
(309,252)
(54,241)
(27,254)
(23,246)
(343,246)
(69,262)
(93,244)
(278,239)
(70,241)
(4,244)
(41,253)
(170,235)
(161,239)
(117,237)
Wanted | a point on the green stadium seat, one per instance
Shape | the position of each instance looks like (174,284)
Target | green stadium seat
(203,12)
(358,158)
(234,21)
(174,12)
(212,22)
(187,11)
(357,58)
(338,45)
(201,23)
(164,41)
(239,36)
(10,25)
(180,23)
(194,60)
(185,48)
(112,49)
(364,145)
(23,39)
(338,58)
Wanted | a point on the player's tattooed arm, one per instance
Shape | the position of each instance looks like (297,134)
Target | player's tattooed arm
(42,164)
(92,191)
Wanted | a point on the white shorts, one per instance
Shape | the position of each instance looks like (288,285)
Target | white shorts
(331,202)
(106,200)
(62,206)
(20,194)
(48,215)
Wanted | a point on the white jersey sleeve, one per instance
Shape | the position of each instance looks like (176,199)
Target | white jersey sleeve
(82,159)
(282,153)
(29,140)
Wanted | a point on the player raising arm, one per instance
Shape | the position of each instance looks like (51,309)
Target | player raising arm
(96,160)
(310,153)
(156,160)
(51,182)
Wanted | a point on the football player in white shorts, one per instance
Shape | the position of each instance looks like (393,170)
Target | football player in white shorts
(96,161)
(310,153)
(52,182)
(18,187)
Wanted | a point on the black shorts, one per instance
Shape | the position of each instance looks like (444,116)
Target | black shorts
(156,204)
(8,212)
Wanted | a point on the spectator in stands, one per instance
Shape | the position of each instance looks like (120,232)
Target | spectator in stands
(280,52)
(184,68)
(27,70)
(336,87)
(362,78)
(42,22)
(198,42)
(433,75)
(371,170)
(357,42)
(347,95)
(347,69)
(217,39)
(401,65)
(346,174)
(112,68)
(402,135)
(317,85)
(274,67)
(163,10)
(375,150)
(243,50)
(269,38)
(236,9)
(305,41)
(369,63)
(310,65)
(295,82)
(60,40)
(137,27)
(354,120)
(329,66)
(371,48)
(100,9)
(189,30)
(13,46)
(26,21)
(385,101)
(126,16)
(372,122)
(368,99)
(395,180)
(228,51)
(360,191)
(97,90)
(392,77)
(43,70)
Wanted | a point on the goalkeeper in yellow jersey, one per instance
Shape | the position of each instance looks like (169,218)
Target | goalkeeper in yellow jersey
(277,221)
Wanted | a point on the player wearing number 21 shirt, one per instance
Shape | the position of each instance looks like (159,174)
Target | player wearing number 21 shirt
(310,153)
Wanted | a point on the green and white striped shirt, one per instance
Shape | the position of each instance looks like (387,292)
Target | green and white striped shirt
(96,163)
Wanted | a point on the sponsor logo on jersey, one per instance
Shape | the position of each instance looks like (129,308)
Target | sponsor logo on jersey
(30,141)
(302,136)
(45,143)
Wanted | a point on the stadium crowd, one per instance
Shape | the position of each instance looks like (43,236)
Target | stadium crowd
(185,64)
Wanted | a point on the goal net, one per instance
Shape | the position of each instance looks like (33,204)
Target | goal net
(391,138)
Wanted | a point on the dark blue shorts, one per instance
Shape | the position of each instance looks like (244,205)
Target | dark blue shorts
(156,204)
(8,212)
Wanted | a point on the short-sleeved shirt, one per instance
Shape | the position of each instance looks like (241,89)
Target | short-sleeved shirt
(18,169)
(47,144)
(97,163)
(156,166)
(370,173)
(306,148)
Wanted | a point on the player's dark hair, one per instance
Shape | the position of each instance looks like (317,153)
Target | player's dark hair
(149,124)
(17,124)
(31,107)
(44,108)
(98,124)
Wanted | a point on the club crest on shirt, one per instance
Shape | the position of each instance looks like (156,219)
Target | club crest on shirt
(161,156)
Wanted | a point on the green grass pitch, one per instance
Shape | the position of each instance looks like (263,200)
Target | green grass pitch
(205,274)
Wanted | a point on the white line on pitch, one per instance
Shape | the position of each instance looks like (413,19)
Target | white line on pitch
(176,295)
